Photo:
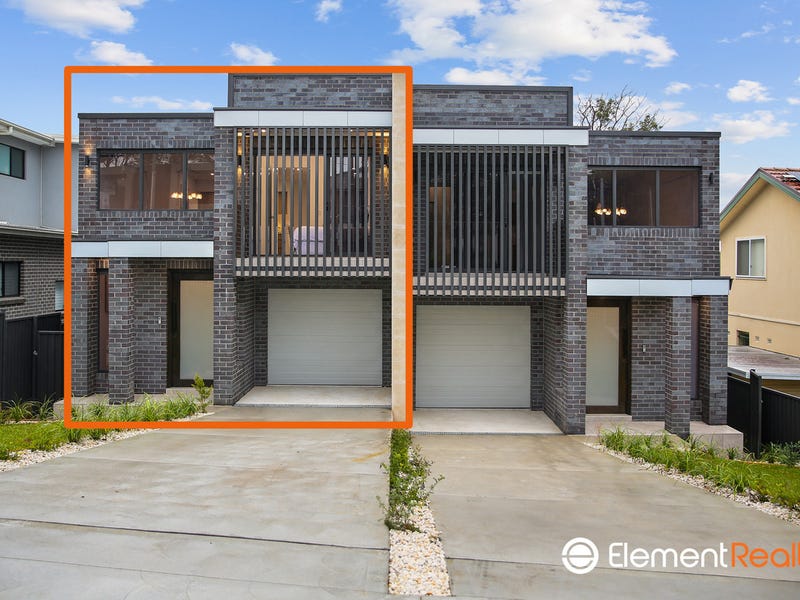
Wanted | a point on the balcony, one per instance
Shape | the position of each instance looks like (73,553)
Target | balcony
(313,202)
(490,220)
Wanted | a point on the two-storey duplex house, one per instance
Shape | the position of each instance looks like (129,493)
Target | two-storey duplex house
(554,268)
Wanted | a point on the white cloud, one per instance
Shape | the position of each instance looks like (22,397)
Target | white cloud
(748,91)
(583,75)
(516,37)
(673,114)
(326,7)
(794,101)
(677,87)
(252,55)
(758,125)
(114,53)
(729,184)
(162,103)
(763,30)
(79,17)
(462,76)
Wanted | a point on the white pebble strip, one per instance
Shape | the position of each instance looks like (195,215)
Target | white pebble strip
(417,566)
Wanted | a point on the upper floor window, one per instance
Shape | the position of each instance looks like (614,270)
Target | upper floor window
(156,179)
(12,161)
(9,279)
(751,258)
(630,196)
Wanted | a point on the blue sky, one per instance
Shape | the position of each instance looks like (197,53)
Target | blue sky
(719,65)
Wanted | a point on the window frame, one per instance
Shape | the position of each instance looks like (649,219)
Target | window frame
(103,152)
(657,170)
(11,150)
(3,264)
(749,240)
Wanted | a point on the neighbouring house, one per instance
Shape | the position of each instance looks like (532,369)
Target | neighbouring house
(554,268)
(31,260)
(760,249)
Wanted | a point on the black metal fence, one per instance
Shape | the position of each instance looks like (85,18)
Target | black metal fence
(762,415)
(31,357)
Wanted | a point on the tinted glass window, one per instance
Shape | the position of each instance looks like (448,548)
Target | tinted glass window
(12,161)
(200,181)
(119,180)
(636,198)
(9,279)
(163,181)
(678,198)
(600,197)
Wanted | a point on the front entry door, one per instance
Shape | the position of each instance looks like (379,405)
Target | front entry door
(191,327)
(607,356)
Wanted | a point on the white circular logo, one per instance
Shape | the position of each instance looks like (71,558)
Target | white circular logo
(580,556)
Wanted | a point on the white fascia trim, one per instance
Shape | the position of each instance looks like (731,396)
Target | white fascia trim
(656,287)
(526,137)
(302,118)
(143,249)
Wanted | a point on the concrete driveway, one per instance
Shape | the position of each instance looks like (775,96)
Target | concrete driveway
(509,504)
(202,514)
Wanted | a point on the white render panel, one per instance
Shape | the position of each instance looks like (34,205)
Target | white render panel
(473,356)
(433,136)
(235,118)
(527,137)
(566,137)
(710,287)
(280,118)
(665,287)
(657,287)
(325,118)
(187,249)
(137,249)
(476,136)
(532,137)
(143,249)
(612,287)
(324,336)
(369,118)
(89,249)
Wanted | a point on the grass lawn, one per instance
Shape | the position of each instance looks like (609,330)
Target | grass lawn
(776,483)
(49,435)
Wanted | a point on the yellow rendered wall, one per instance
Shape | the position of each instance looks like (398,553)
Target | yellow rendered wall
(768,308)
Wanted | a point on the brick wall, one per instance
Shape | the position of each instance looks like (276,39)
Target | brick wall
(658,251)
(296,92)
(84,326)
(647,358)
(713,349)
(677,365)
(492,107)
(144,132)
(554,364)
(42,265)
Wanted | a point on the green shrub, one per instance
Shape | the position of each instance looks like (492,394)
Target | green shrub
(20,410)
(775,482)
(786,454)
(203,392)
(409,474)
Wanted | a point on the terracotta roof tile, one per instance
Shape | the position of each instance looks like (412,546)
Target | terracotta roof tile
(782,175)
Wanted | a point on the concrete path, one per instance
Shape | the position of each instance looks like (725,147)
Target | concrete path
(509,504)
(201,514)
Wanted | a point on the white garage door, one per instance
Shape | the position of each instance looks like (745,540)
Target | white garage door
(473,356)
(324,337)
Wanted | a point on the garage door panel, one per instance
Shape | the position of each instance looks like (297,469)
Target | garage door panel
(473,356)
(325,337)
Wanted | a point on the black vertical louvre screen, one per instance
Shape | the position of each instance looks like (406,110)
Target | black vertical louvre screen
(313,201)
(490,220)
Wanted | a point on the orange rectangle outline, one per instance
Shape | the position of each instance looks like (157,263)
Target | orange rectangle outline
(288,70)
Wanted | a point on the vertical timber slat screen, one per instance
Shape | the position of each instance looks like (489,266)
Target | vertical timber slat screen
(490,220)
(313,201)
